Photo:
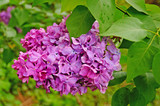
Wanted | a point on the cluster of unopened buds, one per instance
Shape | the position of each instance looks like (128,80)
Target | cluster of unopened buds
(54,61)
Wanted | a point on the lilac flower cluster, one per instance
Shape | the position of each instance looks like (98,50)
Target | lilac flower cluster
(5,17)
(53,61)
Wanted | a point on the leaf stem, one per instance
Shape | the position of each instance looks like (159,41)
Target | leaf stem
(156,33)
(154,37)
(150,31)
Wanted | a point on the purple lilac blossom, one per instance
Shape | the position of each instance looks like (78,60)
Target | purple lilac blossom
(5,17)
(53,61)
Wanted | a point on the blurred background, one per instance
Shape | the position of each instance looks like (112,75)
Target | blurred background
(22,16)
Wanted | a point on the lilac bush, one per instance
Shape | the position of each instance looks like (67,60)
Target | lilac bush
(54,61)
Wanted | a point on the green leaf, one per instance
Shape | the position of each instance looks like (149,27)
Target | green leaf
(8,55)
(156,42)
(19,16)
(140,57)
(136,99)
(156,18)
(123,59)
(38,2)
(121,97)
(13,21)
(14,2)
(5,85)
(126,44)
(147,21)
(10,97)
(17,102)
(129,28)
(80,21)
(71,4)
(156,67)
(3,2)
(154,12)
(2,72)
(138,5)
(152,8)
(118,15)
(34,24)
(103,11)
(146,85)
(10,32)
(119,77)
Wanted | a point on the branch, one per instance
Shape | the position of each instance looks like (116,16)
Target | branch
(79,102)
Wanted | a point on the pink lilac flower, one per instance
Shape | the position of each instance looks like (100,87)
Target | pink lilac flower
(53,61)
